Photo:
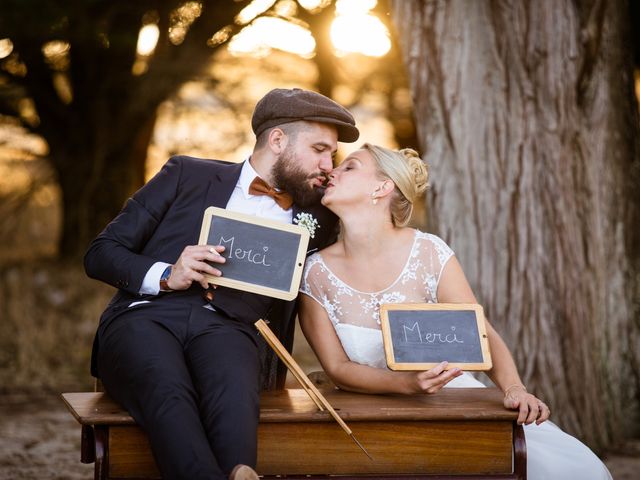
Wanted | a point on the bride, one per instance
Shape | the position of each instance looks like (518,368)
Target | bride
(378,260)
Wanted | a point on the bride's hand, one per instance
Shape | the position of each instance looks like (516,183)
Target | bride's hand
(530,407)
(434,379)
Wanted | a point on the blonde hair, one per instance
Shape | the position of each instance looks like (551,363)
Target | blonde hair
(407,171)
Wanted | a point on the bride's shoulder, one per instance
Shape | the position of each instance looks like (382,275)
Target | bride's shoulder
(426,236)
(313,259)
(433,240)
(317,259)
(333,251)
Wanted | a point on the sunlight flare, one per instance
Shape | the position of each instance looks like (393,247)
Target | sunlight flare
(148,39)
(314,5)
(266,33)
(354,7)
(354,29)
(6,47)
(55,48)
(360,33)
(181,19)
(252,10)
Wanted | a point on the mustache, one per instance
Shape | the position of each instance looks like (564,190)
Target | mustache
(323,175)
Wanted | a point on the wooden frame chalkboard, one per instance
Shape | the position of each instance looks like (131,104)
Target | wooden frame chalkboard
(263,256)
(418,336)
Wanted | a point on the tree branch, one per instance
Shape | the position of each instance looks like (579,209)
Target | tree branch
(39,84)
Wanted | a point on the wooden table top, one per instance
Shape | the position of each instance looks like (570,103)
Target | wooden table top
(293,405)
(448,404)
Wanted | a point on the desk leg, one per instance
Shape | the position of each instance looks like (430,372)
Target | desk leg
(519,452)
(101,433)
(87,445)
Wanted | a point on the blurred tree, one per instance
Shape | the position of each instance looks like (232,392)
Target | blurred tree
(386,75)
(527,109)
(75,77)
(84,76)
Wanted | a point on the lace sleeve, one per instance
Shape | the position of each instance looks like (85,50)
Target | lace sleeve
(309,285)
(443,252)
(434,255)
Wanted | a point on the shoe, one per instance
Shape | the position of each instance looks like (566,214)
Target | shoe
(243,472)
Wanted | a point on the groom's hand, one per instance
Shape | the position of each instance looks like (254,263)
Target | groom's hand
(192,265)
(436,378)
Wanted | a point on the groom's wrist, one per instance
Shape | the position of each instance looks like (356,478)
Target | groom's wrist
(164,279)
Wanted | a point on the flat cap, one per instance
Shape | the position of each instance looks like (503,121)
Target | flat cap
(283,105)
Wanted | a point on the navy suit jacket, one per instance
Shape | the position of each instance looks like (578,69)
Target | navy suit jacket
(159,221)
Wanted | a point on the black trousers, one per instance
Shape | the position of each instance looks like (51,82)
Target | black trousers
(190,379)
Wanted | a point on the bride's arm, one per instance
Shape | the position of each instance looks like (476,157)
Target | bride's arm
(454,288)
(353,376)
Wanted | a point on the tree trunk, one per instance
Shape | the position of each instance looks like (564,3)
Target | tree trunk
(324,59)
(526,116)
(95,180)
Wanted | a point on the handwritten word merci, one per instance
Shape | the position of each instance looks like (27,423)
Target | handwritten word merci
(256,258)
(414,335)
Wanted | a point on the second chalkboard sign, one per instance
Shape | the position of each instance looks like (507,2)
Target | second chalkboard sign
(262,256)
(420,336)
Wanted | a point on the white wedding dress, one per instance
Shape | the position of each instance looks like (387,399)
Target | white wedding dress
(551,453)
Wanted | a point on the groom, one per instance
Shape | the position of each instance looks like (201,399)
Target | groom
(186,368)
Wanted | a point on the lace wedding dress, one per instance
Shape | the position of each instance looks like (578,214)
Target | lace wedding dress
(551,453)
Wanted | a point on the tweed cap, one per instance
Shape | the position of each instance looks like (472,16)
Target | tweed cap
(283,105)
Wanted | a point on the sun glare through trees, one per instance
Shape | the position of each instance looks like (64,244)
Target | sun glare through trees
(353,30)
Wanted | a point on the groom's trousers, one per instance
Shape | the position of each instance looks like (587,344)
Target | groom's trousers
(189,376)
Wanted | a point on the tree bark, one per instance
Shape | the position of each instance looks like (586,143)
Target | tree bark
(527,118)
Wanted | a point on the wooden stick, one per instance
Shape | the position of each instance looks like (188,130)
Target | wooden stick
(291,364)
(302,378)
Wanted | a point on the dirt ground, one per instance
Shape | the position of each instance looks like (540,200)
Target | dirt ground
(40,440)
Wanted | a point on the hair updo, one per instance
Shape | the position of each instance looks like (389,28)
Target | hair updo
(407,171)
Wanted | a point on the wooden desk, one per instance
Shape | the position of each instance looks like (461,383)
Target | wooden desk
(457,433)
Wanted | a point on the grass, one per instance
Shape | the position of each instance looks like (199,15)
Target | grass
(49,312)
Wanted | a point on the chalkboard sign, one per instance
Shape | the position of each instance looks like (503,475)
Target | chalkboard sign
(263,256)
(420,336)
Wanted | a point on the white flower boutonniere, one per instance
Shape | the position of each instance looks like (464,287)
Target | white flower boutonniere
(307,221)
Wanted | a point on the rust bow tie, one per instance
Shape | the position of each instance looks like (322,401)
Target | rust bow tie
(260,187)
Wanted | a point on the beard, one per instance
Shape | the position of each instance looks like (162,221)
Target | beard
(287,175)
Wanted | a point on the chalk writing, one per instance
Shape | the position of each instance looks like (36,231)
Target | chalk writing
(414,335)
(256,258)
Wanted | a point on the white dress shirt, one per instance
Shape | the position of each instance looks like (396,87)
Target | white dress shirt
(240,201)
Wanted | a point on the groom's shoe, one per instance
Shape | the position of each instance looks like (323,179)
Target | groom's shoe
(243,472)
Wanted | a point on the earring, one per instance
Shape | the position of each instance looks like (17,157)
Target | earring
(374,198)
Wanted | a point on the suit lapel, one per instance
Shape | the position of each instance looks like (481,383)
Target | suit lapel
(222,184)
